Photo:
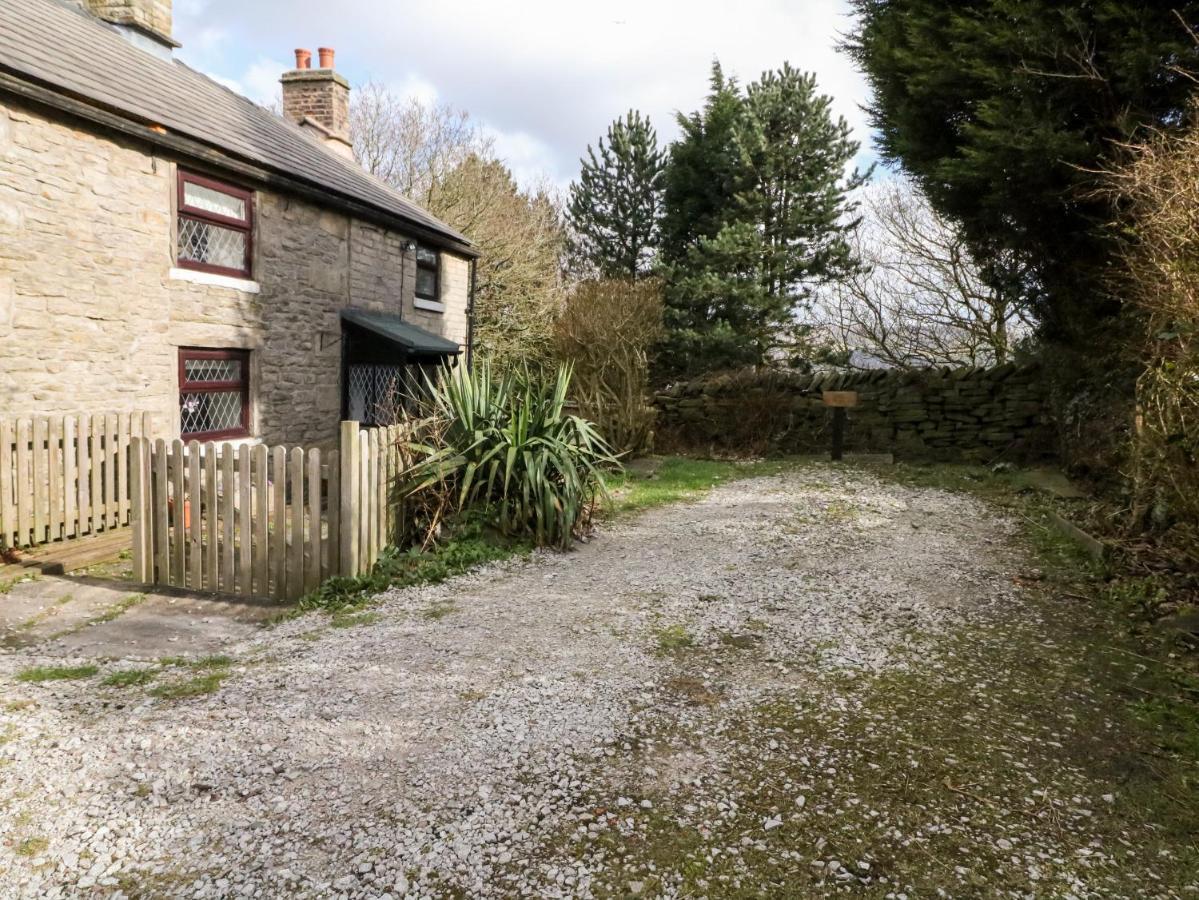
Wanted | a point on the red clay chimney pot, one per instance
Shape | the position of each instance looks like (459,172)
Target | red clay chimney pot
(303,58)
(326,54)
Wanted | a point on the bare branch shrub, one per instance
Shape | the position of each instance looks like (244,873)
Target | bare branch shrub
(605,331)
(1157,192)
(921,299)
(410,144)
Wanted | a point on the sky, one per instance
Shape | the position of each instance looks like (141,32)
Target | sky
(543,77)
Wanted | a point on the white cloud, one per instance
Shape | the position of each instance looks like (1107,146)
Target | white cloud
(546,76)
(531,160)
(262,80)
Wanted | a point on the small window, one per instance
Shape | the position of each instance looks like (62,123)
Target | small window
(215,226)
(428,273)
(214,393)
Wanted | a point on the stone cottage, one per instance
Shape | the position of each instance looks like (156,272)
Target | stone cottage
(168,245)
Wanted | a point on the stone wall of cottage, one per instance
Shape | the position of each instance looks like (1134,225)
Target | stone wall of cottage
(947,414)
(92,312)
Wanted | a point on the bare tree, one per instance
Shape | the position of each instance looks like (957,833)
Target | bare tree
(410,144)
(520,236)
(920,299)
(440,158)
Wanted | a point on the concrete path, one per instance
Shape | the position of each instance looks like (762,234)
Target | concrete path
(83,616)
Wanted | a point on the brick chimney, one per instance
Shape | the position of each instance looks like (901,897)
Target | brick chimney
(138,19)
(319,99)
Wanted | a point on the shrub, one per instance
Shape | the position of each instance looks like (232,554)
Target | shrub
(605,332)
(506,446)
(1158,193)
(466,546)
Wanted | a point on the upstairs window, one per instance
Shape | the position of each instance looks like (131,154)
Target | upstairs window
(215,226)
(428,274)
(214,394)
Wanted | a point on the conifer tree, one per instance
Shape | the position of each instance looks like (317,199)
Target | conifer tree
(1006,111)
(757,212)
(616,204)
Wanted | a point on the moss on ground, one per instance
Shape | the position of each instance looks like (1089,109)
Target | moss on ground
(129,677)
(183,688)
(1043,751)
(658,481)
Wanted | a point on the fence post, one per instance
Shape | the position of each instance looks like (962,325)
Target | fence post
(139,519)
(8,527)
(350,459)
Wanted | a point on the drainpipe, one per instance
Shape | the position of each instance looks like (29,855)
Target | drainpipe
(470,317)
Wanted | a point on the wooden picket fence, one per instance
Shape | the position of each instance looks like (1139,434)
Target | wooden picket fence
(65,476)
(266,522)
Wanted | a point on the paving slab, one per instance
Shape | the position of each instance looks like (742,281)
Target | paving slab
(65,616)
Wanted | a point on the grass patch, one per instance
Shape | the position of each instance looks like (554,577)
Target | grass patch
(129,677)
(469,546)
(674,479)
(38,674)
(6,586)
(439,611)
(216,669)
(18,705)
(31,846)
(218,661)
(344,619)
(674,638)
(189,687)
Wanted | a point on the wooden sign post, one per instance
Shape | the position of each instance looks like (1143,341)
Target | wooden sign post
(839,401)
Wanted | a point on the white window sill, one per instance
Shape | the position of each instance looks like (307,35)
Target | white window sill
(195,276)
(429,305)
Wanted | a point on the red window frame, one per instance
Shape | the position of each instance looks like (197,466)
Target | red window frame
(216,387)
(246,226)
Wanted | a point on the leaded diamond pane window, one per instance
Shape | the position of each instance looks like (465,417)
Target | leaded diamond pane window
(212,369)
(203,242)
(208,413)
(215,226)
(214,393)
(380,394)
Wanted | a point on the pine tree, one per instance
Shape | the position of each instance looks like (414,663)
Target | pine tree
(757,212)
(615,206)
(795,156)
(704,172)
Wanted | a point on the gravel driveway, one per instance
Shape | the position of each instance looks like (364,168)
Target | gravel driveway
(804,684)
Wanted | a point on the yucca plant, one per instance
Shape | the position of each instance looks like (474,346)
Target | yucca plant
(506,444)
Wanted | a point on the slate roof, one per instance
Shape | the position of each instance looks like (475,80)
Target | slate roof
(59,46)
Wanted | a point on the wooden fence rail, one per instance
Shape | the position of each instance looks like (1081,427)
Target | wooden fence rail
(266,522)
(65,476)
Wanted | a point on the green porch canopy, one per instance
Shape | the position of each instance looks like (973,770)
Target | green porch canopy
(413,339)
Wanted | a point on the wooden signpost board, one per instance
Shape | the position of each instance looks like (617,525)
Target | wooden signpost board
(839,401)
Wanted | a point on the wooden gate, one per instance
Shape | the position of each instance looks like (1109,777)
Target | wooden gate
(268,522)
(65,476)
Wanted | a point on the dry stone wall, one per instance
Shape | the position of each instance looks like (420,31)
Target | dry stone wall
(945,414)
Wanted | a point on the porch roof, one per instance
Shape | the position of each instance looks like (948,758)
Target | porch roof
(408,336)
